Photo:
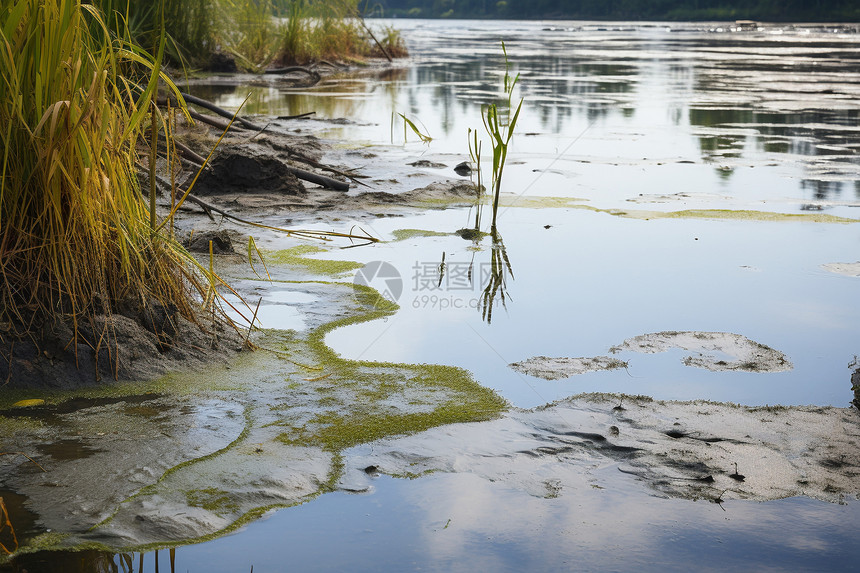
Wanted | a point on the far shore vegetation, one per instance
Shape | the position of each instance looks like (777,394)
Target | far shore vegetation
(256,34)
(651,10)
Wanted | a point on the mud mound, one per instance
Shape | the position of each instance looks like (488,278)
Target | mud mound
(254,170)
(558,368)
(714,351)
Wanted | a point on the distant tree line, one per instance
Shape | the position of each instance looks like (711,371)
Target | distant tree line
(673,10)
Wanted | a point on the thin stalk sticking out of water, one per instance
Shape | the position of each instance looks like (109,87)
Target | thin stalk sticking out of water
(500,123)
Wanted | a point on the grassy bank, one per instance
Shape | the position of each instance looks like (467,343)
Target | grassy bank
(78,238)
(256,33)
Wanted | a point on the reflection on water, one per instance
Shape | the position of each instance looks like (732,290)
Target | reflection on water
(499,271)
(460,522)
(613,114)
(781,98)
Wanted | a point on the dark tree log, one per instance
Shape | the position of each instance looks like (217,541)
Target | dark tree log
(214,121)
(313,74)
(220,111)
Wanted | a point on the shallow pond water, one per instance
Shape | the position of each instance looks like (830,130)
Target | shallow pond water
(652,187)
(459,522)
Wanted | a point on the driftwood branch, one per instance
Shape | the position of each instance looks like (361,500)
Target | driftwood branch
(214,121)
(313,74)
(220,111)
(189,153)
(208,208)
(327,182)
(307,160)
(297,116)
(319,179)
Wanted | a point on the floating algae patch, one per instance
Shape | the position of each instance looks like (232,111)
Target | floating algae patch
(539,202)
(405,234)
(722,214)
(543,202)
(297,257)
(266,432)
(748,215)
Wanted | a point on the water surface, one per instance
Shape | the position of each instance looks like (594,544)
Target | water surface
(635,118)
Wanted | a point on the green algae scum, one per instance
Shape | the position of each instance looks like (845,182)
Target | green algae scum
(276,424)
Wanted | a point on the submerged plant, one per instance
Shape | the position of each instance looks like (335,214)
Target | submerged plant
(408,124)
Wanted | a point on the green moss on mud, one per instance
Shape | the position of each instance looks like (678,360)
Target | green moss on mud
(297,257)
(314,398)
(211,499)
(366,401)
(405,234)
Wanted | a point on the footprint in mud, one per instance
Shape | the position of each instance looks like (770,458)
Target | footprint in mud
(715,351)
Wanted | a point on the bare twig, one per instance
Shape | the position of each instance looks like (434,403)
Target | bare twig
(26,456)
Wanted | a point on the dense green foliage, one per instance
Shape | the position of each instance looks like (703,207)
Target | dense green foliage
(763,10)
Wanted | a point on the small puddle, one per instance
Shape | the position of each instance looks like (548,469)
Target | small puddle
(68,449)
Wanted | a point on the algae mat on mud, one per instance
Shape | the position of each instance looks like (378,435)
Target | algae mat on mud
(205,452)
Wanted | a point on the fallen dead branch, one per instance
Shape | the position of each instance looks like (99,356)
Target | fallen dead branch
(220,111)
(6,523)
(312,74)
(209,208)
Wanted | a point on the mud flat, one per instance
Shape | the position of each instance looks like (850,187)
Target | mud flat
(689,450)
(715,351)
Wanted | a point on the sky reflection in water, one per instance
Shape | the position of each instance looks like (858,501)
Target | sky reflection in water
(461,522)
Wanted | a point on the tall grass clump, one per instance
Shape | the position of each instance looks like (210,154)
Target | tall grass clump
(188,25)
(331,30)
(76,239)
(247,29)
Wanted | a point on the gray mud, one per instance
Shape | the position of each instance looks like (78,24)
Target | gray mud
(714,351)
(677,449)
(847,269)
(558,368)
(195,454)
